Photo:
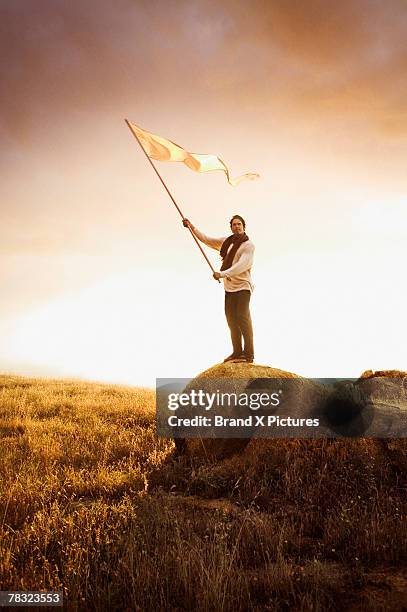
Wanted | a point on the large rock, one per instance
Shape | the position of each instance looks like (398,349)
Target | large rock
(238,377)
(373,406)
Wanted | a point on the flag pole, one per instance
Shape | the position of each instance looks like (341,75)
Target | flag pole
(169,193)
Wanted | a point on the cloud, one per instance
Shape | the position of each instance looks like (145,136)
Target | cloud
(312,56)
(290,79)
(345,58)
(58,58)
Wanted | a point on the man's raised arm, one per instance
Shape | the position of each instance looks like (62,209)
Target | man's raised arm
(214,243)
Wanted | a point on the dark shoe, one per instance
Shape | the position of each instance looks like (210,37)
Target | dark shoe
(233,357)
(244,359)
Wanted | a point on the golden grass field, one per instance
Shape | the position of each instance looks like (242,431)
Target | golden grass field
(93,503)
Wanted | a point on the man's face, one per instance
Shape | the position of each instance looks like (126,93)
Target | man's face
(237,226)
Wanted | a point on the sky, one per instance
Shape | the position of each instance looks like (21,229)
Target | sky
(100,281)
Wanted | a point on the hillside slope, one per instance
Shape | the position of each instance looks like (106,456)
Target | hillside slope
(91,501)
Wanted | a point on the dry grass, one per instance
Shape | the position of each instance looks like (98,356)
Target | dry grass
(91,501)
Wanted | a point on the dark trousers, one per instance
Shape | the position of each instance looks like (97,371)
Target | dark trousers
(239,320)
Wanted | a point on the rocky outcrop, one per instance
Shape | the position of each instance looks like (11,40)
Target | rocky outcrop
(373,406)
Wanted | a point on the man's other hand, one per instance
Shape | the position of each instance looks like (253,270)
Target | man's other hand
(187,223)
(216,275)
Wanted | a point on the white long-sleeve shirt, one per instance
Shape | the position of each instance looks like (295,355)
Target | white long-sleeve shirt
(237,277)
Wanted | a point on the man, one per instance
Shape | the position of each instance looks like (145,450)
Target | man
(237,259)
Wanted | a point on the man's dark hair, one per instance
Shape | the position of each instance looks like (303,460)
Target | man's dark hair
(240,218)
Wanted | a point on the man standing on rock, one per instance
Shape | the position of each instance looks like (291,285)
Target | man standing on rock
(237,259)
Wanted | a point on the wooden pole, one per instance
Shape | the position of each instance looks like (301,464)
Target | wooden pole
(170,194)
